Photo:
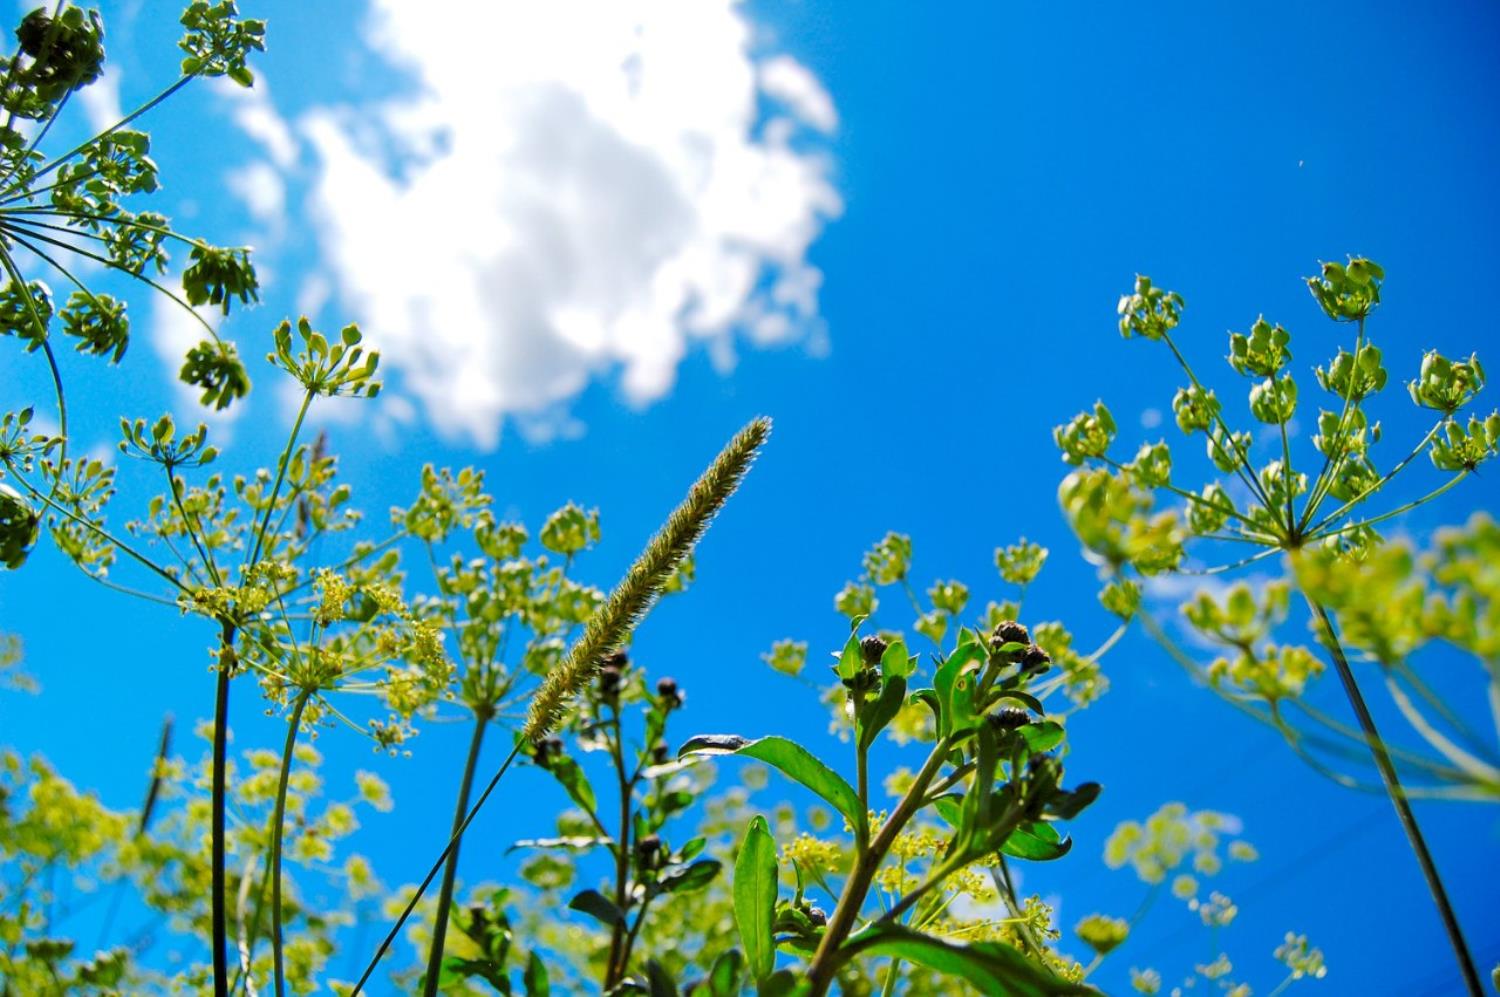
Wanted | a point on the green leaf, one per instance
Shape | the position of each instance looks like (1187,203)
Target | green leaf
(792,760)
(1042,736)
(1024,698)
(897,661)
(950,808)
(852,658)
(954,683)
(724,977)
(680,878)
(662,984)
(874,717)
(783,983)
(1067,804)
(755,890)
(535,978)
(1038,841)
(991,967)
(598,906)
(568,772)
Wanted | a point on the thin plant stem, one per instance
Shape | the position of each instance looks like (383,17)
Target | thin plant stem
(1383,480)
(1333,462)
(1392,783)
(436,867)
(281,466)
(41,330)
(622,855)
(55,163)
(278,820)
(450,870)
(220,925)
(857,886)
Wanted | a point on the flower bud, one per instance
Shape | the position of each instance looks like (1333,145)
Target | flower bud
(816,916)
(1009,718)
(1034,659)
(670,695)
(873,648)
(1010,632)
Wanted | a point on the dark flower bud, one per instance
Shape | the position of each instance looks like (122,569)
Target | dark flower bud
(1010,632)
(1035,659)
(1010,718)
(816,916)
(609,678)
(648,850)
(873,648)
(545,750)
(617,660)
(670,695)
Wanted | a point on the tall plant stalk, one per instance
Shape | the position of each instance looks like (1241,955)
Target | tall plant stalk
(1392,782)
(607,630)
(482,718)
(219,911)
(278,820)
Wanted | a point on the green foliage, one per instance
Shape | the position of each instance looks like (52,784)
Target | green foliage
(1112,505)
(1360,594)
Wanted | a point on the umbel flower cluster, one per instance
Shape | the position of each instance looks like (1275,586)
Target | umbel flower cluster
(1255,496)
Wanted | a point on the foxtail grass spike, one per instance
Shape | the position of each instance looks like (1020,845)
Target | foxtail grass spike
(630,600)
(608,628)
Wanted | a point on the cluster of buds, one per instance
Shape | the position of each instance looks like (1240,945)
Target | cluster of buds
(867,679)
(1011,643)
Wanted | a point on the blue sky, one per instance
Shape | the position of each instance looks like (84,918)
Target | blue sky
(969,194)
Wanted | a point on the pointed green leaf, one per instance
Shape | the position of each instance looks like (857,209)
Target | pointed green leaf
(1038,841)
(535,979)
(991,967)
(598,906)
(875,716)
(792,760)
(755,890)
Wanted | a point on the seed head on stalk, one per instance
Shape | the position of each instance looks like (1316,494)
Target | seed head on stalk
(632,597)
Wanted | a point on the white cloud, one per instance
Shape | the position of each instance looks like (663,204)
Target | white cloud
(577,188)
(255,113)
(101,100)
(261,187)
(787,80)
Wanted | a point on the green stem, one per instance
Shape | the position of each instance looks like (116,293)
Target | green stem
(432,873)
(54,164)
(613,969)
(278,819)
(450,870)
(1242,467)
(1383,480)
(1398,799)
(1400,510)
(825,961)
(41,329)
(281,466)
(220,939)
